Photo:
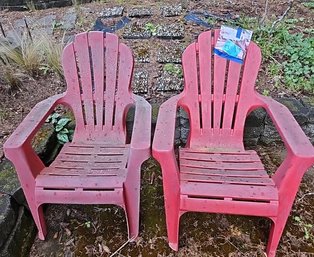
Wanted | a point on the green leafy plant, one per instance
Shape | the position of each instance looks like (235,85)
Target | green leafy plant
(173,69)
(290,55)
(151,28)
(305,226)
(56,24)
(63,131)
(309,4)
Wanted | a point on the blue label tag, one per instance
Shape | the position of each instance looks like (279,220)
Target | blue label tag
(239,32)
(231,48)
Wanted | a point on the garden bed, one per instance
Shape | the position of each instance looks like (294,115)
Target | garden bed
(158,34)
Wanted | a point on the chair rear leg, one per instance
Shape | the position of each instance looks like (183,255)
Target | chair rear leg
(173,221)
(38,216)
(132,204)
(172,209)
(276,230)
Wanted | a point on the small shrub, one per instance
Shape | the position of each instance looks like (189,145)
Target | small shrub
(11,81)
(31,5)
(52,51)
(26,56)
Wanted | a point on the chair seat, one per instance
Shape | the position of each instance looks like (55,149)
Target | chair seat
(237,176)
(86,167)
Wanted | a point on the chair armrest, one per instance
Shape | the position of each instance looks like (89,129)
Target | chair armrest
(163,143)
(165,128)
(290,131)
(141,134)
(32,122)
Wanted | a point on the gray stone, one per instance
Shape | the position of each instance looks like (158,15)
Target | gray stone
(270,135)
(170,53)
(183,114)
(10,184)
(21,237)
(7,217)
(69,19)
(170,79)
(45,21)
(299,111)
(43,25)
(136,31)
(309,131)
(308,102)
(177,134)
(256,118)
(140,12)
(171,31)
(171,10)
(142,54)
(20,23)
(45,142)
(112,12)
(184,134)
(14,37)
(252,135)
(140,84)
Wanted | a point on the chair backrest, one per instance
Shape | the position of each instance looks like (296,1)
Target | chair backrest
(98,71)
(218,93)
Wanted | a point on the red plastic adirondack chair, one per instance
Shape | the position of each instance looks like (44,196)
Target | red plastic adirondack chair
(98,167)
(215,173)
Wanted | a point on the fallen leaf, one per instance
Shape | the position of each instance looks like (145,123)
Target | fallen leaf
(55,236)
(67,231)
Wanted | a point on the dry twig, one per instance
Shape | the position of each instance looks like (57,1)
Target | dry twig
(308,194)
(283,15)
(120,248)
(265,13)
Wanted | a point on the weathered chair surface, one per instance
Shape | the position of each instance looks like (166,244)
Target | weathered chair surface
(238,178)
(100,166)
(214,172)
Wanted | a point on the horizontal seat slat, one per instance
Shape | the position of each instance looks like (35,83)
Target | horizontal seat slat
(48,181)
(222,165)
(216,151)
(226,179)
(246,192)
(214,172)
(78,172)
(219,157)
(89,157)
(86,165)
(229,207)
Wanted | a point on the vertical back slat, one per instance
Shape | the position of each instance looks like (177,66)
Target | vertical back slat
(231,93)
(191,86)
(73,84)
(250,71)
(111,63)
(219,82)
(96,42)
(205,53)
(123,84)
(83,58)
